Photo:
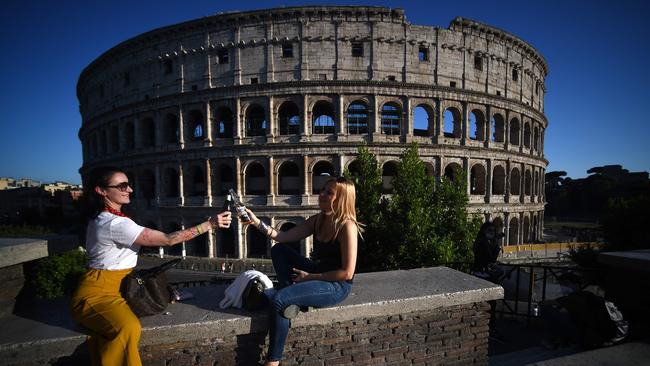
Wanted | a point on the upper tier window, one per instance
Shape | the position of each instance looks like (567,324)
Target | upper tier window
(222,56)
(357,49)
(287,50)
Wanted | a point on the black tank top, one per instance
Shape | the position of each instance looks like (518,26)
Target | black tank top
(326,255)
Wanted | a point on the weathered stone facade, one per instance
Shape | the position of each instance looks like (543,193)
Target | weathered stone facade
(267,101)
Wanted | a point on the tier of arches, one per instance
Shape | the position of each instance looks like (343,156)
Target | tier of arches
(205,182)
(350,117)
(246,242)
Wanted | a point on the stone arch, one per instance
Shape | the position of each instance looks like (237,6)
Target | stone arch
(477,125)
(527,182)
(514,131)
(430,169)
(477,179)
(170,128)
(498,180)
(195,125)
(148,132)
(170,182)
(322,171)
(354,168)
(423,120)
(358,116)
(388,174)
(515,181)
(498,128)
(323,118)
(195,182)
(536,138)
(288,178)
(255,243)
(255,180)
(536,184)
(451,170)
(255,120)
(289,118)
(225,179)
(147,184)
(129,135)
(452,122)
(513,231)
(391,118)
(286,226)
(527,135)
(224,122)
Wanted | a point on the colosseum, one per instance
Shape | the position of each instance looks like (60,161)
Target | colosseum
(268,101)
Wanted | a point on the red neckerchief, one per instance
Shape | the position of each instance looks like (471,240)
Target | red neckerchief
(114,211)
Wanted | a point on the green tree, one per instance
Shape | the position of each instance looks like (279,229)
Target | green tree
(368,183)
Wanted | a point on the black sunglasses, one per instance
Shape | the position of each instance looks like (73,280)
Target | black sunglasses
(121,186)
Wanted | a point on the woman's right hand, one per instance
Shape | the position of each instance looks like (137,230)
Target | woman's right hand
(253,219)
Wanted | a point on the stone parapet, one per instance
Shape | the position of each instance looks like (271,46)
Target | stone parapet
(421,315)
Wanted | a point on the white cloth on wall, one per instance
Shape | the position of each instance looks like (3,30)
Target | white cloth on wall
(233,293)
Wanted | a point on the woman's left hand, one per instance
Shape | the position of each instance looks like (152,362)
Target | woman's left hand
(222,220)
(299,275)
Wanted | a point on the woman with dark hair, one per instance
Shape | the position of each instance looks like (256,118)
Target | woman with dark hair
(486,247)
(112,242)
(326,278)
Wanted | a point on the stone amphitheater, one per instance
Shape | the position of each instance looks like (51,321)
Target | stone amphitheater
(268,101)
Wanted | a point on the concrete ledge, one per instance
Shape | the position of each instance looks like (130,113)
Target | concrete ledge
(637,260)
(20,250)
(53,334)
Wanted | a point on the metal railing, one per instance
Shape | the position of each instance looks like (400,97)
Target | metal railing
(528,285)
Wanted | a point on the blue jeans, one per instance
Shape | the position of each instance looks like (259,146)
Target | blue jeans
(308,293)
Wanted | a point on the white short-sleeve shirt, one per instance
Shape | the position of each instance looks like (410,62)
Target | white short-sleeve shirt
(110,242)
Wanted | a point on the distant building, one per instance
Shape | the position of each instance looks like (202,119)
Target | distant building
(11,183)
(26,202)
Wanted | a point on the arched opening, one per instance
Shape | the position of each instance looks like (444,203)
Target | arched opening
(255,243)
(477,125)
(498,180)
(423,121)
(289,117)
(513,232)
(224,123)
(148,132)
(129,136)
(391,119)
(195,182)
(498,224)
(477,180)
(321,173)
(536,184)
(255,121)
(514,131)
(147,184)
(225,239)
(527,135)
(295,245)
(526,228)
(536,138)
(452,121)
(196,124)
(527,183)
(515,181)
(256,183)
(115,139)
(357,118)
(388,174)
(226,179)
(354,168)
(171,182)
(323,118)
(498,128)
(452,170)
(170,129)
(429,169)
(289,178)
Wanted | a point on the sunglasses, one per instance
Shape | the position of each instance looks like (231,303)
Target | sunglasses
(121,186)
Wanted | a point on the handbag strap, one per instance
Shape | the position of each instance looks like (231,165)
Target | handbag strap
(158,269)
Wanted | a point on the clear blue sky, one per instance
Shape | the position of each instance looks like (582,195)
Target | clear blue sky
(598,54)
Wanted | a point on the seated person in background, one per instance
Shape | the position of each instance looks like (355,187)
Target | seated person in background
(486,252)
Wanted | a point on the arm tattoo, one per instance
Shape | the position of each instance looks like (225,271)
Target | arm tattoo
(183,235)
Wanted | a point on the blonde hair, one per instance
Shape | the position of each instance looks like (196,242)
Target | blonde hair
(343,206)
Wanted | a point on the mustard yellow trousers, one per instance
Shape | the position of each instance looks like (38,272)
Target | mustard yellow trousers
(115,330)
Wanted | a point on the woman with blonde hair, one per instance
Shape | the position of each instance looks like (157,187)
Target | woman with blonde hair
(325,279)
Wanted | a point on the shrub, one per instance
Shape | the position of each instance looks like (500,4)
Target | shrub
(58,275)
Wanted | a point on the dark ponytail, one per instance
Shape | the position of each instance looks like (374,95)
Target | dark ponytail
(93,203)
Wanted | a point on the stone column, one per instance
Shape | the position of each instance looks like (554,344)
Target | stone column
(161,249)
(270,72)
(181,188)
(306,191)
(506,228)
(305,130)
(207,139)
(236,55)
(239,177)
(238,121)
(270,199)
(507,182)
(304,59)
(488,181)
(375,123)
(341,163)
(208,184)
(374,62)
(464,126)
(506,130)
(273,129)
(341,127)
(337,49)
(488,127)
(466,170)
(181,123)
(407,113)
(212,244)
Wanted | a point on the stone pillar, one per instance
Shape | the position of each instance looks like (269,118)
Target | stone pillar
(208,184)
(236,55)
(270,67)
(207,139)
(488,181)
(374,62)
(306,192)
(506,228)
(273,129)
(181,188)
(488,127)
(506,130)
(341,164)
(439,129)
(238,122)
(270,199)
(181,123)
(239,177)
(507,182)
(407,113)
(464,126)
(304,59)
(305,131)
(341,127)
(467,171)
(375,127)
(212,244)
(337,48)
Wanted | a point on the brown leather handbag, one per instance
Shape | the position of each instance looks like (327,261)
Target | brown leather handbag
(146,290)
